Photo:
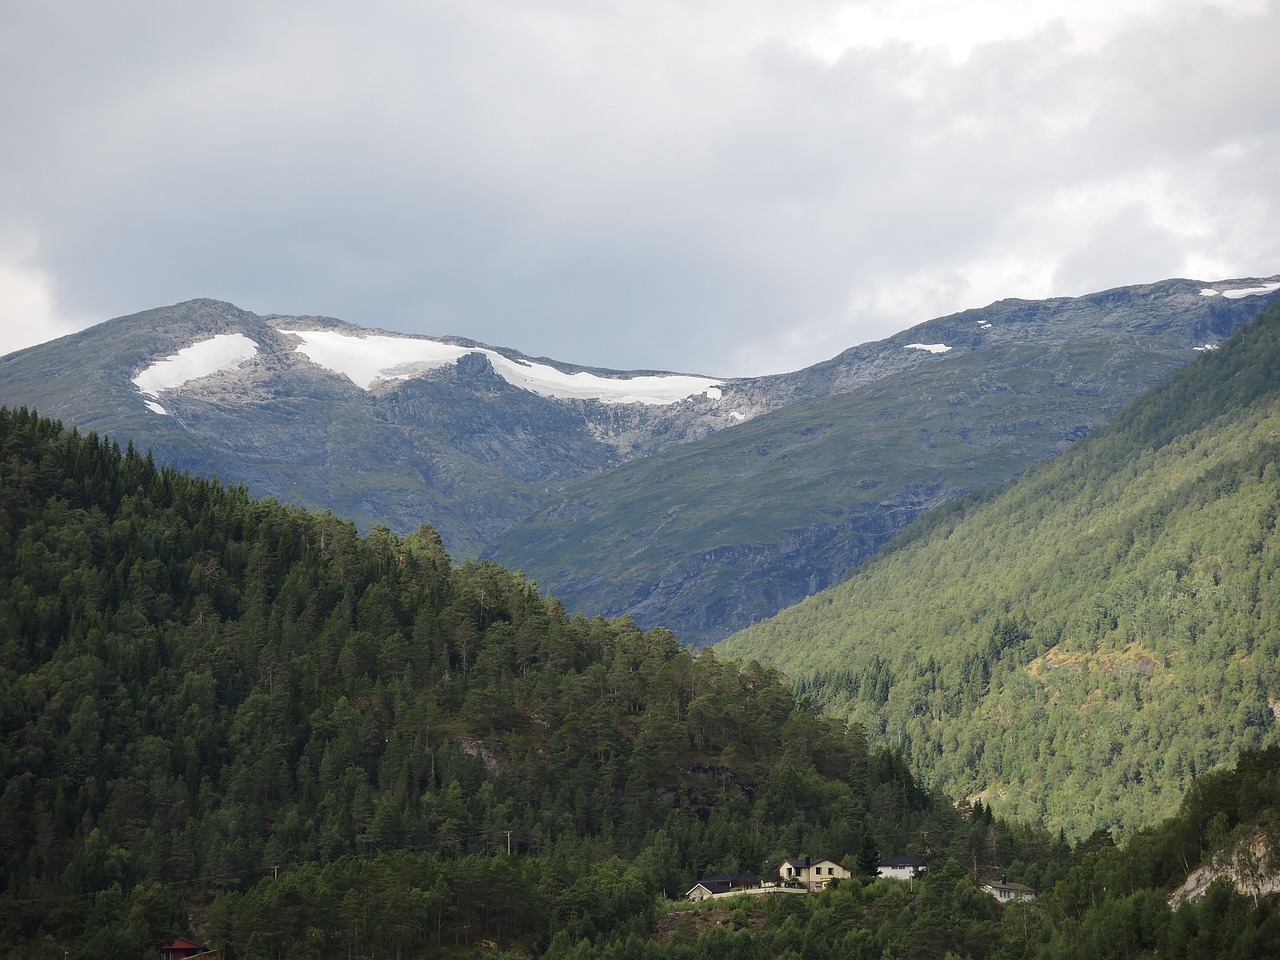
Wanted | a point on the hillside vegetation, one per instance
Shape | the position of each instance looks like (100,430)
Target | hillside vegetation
(231,719)
(199,691)
(1079,647)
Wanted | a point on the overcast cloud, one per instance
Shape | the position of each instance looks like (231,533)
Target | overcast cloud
(724,188)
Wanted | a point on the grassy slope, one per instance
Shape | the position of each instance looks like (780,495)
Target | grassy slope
(1081,645)
(758,513)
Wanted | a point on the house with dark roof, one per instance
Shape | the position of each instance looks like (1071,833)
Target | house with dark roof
(722,884)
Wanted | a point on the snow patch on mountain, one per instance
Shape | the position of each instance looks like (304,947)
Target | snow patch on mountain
(1250,291)
(366,360)
(226,351)
(1239,292)
(931,347)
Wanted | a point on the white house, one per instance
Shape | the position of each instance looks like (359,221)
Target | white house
(1007,892)
(902,867)
(812,874)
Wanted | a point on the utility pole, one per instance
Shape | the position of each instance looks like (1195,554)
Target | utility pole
(508,833)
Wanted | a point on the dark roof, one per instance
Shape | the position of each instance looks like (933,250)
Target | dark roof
(724,882)
(182,943)
(738,879)
(902,860)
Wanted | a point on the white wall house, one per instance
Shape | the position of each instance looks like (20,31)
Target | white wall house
(902,867)
(1008,892)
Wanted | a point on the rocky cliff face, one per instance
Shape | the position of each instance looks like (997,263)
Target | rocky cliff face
(703,505)
(1249,863)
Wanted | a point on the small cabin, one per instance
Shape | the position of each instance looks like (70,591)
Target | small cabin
(720,884)
(180,948)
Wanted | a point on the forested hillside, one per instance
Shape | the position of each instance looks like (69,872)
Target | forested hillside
(1080,647)
(231,719)
(199,691)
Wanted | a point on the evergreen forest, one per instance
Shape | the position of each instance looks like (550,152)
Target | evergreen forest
(199,690)
(1080,647)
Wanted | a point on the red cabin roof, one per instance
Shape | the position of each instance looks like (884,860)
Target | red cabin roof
(181,948)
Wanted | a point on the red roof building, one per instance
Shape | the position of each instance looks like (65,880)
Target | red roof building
(181,948)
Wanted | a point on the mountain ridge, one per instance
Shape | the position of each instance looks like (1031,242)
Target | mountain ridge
(791,500)
(497,468)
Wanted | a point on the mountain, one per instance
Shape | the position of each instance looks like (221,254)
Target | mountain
(381,428)
(711,535)
(695,502)
(1079,647)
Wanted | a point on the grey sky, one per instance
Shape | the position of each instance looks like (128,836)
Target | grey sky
(726,188)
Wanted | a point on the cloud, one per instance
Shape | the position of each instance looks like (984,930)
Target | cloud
(29,313)
(726,189)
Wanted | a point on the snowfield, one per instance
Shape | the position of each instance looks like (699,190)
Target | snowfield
(366,360)
(1239,292)
(1250,291)
(226,351)
(931,347)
